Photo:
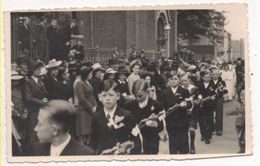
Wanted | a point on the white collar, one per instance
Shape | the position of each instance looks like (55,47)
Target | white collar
(174,89)
(56,150)
(215,81)
(53,77)
(206,84)
(144,103)
(190,87)
(111,113)
(121,82)
(35,79)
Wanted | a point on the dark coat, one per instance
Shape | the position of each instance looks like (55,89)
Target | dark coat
(219,83)
(205,92)
(179,118)
(150,135)
(97,86)
(33,94)
(56,43)
(87,101)
(103,137)
(41,42)
(123,87)
(53,87)
(24,36)
(73,148)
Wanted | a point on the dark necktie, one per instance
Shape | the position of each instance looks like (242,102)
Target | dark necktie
(108,117)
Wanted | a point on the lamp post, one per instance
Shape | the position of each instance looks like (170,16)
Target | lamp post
(167,29)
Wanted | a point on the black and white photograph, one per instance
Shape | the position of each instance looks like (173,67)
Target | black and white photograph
(121,83)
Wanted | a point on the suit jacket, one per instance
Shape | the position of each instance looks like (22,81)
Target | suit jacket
(104,137)
(179,118)
(33,94)
(53,87)
(152,106)
(150,134)
(73,148)
(205,92)
(219,83)
(194,92)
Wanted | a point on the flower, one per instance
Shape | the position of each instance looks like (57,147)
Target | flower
(117,123)
(119,119)
(152,108)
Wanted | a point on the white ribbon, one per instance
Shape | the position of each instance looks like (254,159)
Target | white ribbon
(136,131)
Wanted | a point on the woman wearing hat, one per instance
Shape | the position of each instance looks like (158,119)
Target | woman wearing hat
(65,84)
(122,84)
(34,96)
(135,66)
(110,74)
(19,114)
(97,80)
(51,82)
(86,105)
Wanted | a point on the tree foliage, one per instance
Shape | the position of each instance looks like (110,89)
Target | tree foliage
(192,24)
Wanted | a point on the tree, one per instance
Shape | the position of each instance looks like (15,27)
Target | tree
(192,24)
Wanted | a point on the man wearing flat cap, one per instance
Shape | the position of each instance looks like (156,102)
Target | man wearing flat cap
(54,123)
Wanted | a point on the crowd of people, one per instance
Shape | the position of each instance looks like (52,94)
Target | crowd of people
(75,107)
(69,108)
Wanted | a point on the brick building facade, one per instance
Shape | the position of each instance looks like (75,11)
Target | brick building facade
(149,30)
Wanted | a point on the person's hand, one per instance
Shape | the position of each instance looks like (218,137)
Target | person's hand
(151,123)
(183,104)
(70,100)
(24,115)
(212,97)
(197,102)
(94,109)
(45,100)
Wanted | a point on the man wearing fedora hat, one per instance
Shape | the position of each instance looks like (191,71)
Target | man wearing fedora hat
(50,81)
(34,96)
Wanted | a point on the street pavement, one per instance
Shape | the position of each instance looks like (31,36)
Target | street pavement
(227,143)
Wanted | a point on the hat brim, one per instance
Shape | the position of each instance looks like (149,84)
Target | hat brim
(58,63)
(112,72)
(135,62)
(17,77)
(99,69)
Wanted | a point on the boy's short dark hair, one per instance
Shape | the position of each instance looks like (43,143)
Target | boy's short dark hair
(140,85)
(61,112)
(109,84)
(84,72)
(205,72)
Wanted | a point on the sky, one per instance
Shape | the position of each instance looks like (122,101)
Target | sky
(236,21)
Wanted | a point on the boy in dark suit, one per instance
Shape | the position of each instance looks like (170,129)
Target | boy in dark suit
(193,112)
(111,124)
(142,108)
(53,131)
(206,89)
(177,123)
(219,87)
